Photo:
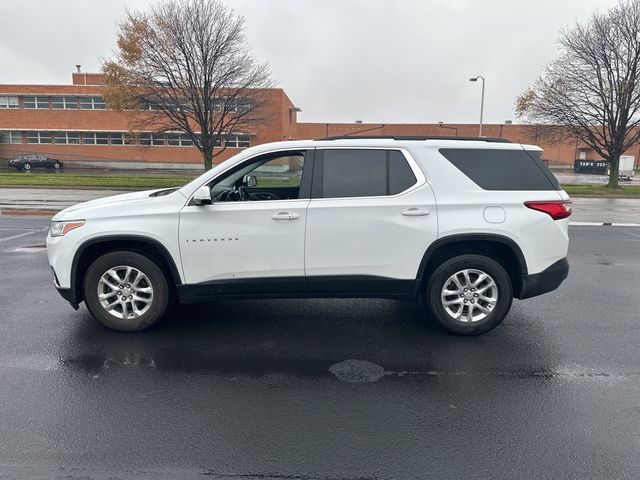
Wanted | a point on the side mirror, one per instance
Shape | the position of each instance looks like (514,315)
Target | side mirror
(250,181)
(202,196)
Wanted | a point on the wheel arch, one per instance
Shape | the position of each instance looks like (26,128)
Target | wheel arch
(95,247)
(497,247)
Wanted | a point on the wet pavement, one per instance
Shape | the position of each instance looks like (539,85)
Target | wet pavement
(572,178)
(323,389)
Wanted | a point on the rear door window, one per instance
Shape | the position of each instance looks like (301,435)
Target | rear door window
(503,169)
(344,173)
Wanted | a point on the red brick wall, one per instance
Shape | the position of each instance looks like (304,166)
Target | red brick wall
(277,126)
(555,153)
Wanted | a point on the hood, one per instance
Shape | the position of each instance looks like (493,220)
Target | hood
(85,209)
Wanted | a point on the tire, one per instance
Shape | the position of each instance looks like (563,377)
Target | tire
(488,300)
(56,165)
(146,281)
(26,166)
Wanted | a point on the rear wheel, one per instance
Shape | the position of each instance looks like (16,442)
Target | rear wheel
(469,294)
(126,291)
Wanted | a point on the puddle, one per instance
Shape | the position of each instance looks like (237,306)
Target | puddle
(357,371)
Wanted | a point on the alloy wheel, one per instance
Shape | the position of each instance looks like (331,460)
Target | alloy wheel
(469,295)
(125,292)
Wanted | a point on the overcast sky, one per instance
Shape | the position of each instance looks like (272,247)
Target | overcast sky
(338,60)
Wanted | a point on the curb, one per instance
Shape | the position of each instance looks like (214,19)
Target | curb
(23,212)
(79,187)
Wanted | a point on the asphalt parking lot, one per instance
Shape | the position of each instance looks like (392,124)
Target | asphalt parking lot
(323,389)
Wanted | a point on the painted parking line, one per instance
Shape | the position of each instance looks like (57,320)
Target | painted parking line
(603,224)
(14,237)
(25,234)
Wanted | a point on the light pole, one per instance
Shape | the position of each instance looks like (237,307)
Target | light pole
(475,79)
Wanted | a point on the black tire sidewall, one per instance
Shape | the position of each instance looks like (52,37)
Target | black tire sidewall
(26,166)
(145,265)
(455,264)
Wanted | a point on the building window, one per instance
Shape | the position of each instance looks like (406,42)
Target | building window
(149,105)
(8,136)
(8,102)
(69,138)
(179,140)
(157,139)
(64,102)
(117,138)
(39,137)
(152,139)
(35,102)
(95,138)
(238,141)
(92,103)
(240,105)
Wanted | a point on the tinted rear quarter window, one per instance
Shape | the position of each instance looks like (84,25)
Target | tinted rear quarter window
(401,176)
(502,169)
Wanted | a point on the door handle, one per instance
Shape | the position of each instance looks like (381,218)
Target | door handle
(285,216)
(415,212)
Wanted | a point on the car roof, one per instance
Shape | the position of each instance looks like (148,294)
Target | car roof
(392,142)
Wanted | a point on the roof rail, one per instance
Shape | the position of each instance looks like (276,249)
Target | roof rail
(418,137)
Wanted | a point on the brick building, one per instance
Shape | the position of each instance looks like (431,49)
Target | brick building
(73,123)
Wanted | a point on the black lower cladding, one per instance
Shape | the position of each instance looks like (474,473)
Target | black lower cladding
(347,286)
(69,295)
(545,281)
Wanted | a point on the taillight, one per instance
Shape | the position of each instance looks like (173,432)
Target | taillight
(555,209)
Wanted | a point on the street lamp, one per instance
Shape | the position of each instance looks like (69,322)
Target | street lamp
(475,79)
(441,125)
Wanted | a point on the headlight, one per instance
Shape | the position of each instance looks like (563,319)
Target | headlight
(59,229)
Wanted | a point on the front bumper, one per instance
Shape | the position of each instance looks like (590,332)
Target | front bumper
(545,281)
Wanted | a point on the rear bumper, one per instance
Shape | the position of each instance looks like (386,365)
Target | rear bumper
(545,281)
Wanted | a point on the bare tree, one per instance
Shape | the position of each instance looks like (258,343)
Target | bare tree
(186,66)
(592,90)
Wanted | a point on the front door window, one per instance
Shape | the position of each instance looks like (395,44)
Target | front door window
(274,177)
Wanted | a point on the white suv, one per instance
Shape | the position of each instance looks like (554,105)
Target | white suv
(465,224)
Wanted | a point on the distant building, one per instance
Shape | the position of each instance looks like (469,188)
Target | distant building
(73,123)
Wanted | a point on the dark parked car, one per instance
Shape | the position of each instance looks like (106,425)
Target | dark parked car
(27,162)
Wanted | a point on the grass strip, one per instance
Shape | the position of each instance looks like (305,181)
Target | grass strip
(83,180)
(626,191)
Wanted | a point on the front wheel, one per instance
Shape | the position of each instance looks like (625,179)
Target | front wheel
(126,291)
(26,166)
(56,165)
(469,294)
